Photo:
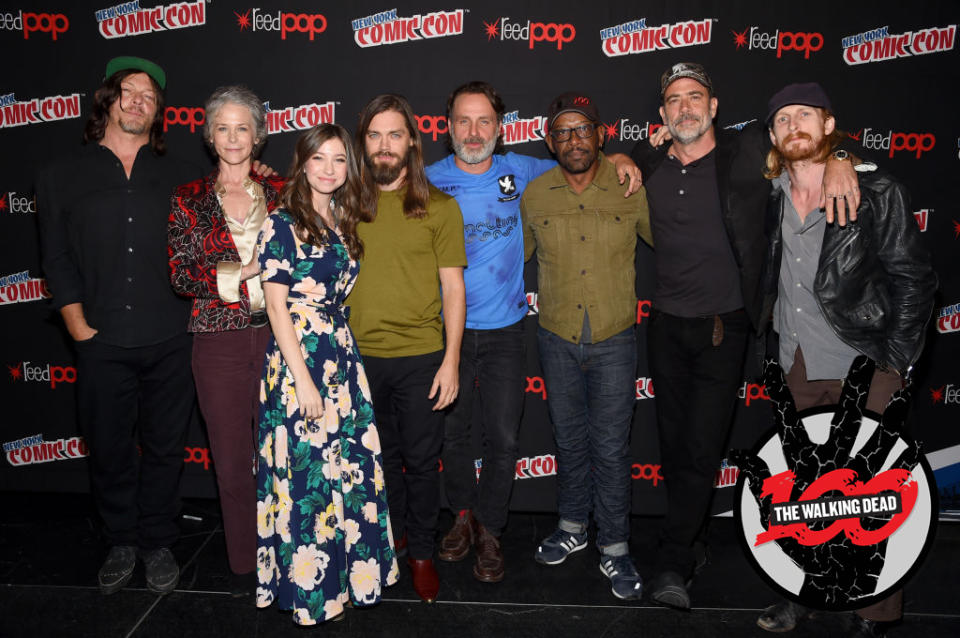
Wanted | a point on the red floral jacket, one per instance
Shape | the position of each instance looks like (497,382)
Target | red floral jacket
(198,238)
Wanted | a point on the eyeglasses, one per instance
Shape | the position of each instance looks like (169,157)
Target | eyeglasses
(583,132)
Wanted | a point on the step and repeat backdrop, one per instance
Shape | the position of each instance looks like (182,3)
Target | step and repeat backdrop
(891,69)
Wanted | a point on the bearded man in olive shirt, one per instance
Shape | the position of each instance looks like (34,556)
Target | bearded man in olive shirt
(585,235)
(412,269)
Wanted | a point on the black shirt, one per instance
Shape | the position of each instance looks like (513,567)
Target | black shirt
(104,242)
(697,273)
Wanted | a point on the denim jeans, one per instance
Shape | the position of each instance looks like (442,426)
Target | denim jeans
(492,365)
(591,391)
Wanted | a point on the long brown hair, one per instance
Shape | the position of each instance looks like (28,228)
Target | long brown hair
(297,197)
(775,163)
(418,191)
(103,99)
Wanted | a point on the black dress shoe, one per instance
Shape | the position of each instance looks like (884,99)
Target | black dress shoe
(243,585)
(117,569)
(670,589)
(162,570)
(863,628)
(783,616)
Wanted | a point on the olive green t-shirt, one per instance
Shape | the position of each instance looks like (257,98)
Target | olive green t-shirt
(396,302)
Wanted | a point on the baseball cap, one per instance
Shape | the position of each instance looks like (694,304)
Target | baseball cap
(679,70)
(124,62)
(572,101)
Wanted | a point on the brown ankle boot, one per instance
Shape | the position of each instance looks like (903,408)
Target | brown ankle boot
(489,565)
(456,544)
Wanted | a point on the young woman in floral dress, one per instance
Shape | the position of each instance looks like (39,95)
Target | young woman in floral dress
(322,520)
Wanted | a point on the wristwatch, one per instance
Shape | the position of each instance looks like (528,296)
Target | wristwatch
(841,155)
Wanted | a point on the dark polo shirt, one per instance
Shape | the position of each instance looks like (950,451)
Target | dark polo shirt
(696,271)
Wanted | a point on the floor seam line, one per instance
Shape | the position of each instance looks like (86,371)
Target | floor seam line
(182,569)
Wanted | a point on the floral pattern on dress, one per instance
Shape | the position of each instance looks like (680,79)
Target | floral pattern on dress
(323,528)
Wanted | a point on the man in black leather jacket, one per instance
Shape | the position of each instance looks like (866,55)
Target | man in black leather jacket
(874,283)
(833,293)
(707,199)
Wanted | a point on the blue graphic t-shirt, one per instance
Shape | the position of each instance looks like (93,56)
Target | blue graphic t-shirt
(492,233)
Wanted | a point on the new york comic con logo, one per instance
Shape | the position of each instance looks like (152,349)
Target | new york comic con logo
(21,287)
(129,18)
(948,318)
(879,45)
(386,27)
(636,36)
(836,508)
(552,33)
(37,110)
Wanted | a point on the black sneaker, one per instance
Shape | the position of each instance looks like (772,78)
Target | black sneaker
(162,571)
(117,569)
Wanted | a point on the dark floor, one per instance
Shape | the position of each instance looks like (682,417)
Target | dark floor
(50,552)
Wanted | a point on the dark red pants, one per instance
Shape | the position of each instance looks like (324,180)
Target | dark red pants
(227,367)
(808,394)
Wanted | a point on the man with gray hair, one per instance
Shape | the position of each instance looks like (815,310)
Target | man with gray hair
(707,197)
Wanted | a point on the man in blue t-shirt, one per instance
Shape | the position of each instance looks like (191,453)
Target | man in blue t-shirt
(487,186)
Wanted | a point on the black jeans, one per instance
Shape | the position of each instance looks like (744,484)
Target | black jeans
(128,397)
(696,386)
(492,364)
(411,435)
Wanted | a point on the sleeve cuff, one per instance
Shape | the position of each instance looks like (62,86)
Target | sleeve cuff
(228,280)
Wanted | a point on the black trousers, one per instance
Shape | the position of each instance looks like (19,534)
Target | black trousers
(130,397)
(492,364)
(696,384)
(411,435)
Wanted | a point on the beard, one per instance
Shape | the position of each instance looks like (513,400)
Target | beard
(382,172)
(804,152)
(577,159)
(688,136)
(133,127)
(473,157)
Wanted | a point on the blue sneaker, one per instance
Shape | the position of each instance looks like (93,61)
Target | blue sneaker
(625,581)
(555,548)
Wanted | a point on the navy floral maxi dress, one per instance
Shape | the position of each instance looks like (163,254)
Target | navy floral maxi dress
(322,522)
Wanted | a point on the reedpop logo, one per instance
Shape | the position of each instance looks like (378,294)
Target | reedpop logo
(52,23)
(917,143)
(531,32)
(285,22)
(779,41)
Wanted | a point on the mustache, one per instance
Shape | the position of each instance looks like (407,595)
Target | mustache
(385,154)
(473,140)
(686,117)
(799,135)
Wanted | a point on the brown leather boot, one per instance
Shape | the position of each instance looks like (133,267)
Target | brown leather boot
(456,544)
(488,567)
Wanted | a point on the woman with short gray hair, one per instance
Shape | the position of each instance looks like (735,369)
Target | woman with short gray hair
(212,236)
